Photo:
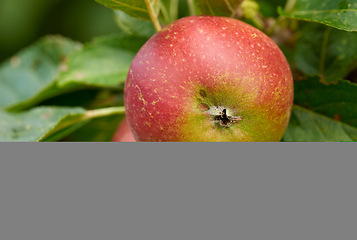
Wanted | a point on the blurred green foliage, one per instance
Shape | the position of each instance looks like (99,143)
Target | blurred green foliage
(24,21)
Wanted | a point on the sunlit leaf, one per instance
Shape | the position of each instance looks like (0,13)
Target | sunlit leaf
(218,7)
(55,65)
(34,70)
(134,26)
(103,63)
(35,124)
(338,14)
(135,8)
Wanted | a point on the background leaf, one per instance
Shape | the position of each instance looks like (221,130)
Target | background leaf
(340,14)
(269,8)
(43,74)
(34,69)
(24,21)
(218,7)
(323,112)
(59,135)
(103,63)
(308,126)
(135,8)
(328,52)
(337,101)
(134,26)
(35,124)
(44,122)
(97,130)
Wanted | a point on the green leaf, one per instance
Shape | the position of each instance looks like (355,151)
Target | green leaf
(323,112)
(32,71)
(268,8)
(35,124)
(97,130)
(329,52)
(340,14)
(226,8)
(308,126)
(169,10)
(48,91)
(48,123)
(102,63)
(337,101)
(59,135)
(81,98)
(133,25)
(135,8)
(186,8)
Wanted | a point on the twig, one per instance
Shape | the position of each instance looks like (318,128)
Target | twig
(153,16)
(290,4)
(191,7)
(91,114)
(324,51)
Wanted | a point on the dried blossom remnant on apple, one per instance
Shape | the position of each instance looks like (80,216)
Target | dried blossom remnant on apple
(220,116)
(218,113)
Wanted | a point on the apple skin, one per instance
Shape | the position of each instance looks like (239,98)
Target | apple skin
(123,133)
(196,64)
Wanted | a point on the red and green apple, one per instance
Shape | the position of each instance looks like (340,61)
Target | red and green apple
(206,78)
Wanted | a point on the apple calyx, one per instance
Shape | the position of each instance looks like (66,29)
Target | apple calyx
(221,117)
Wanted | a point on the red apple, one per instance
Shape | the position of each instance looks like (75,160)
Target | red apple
(123,133)
(206,78)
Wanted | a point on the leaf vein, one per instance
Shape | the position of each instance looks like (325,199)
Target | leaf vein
(305,12)
(129,6)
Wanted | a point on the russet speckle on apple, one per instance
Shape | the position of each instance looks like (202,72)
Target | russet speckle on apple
(209,79)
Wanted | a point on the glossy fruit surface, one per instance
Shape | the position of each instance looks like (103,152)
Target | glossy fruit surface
(206,78)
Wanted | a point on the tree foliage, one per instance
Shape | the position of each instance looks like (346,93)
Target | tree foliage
(60,89)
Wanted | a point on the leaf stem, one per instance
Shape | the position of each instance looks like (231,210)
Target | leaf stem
(324,46)
(174,9)
(153,16)
(164,13)
(290,4)
(91,114)
(191,7)
(231,9)
(103,112)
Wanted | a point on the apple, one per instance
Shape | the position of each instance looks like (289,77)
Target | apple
(207,78)
(123,133)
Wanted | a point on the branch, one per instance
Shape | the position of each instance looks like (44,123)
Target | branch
(153,16)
